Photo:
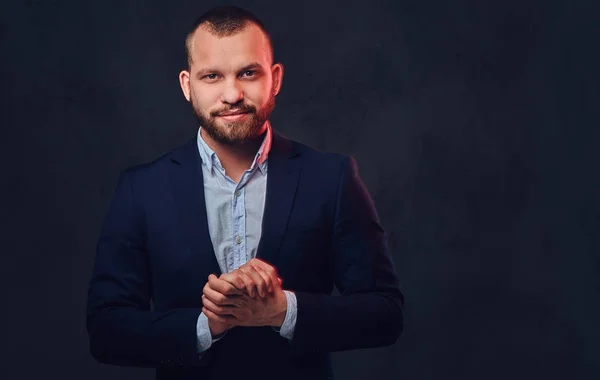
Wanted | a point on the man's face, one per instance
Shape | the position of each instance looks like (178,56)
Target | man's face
(231,84)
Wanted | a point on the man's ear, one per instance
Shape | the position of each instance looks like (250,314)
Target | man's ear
(277,73)
(184,82)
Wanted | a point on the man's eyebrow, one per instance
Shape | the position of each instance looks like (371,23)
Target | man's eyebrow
(253,65)
(201,72)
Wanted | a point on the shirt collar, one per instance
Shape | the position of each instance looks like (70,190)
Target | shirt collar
(210,159)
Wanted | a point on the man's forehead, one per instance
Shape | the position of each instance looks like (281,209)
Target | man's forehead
(249,43)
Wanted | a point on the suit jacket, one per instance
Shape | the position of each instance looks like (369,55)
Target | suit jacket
(320,229)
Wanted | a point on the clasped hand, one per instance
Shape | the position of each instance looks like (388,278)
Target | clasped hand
(248,296)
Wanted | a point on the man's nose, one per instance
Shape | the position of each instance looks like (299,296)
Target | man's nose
(232,93)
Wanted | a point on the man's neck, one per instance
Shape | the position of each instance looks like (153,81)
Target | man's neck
(238,158)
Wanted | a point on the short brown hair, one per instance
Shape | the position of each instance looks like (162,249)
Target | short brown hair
(224,21)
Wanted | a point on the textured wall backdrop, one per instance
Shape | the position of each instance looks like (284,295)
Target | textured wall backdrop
(474,123)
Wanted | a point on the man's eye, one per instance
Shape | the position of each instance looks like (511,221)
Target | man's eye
(249,73)
(210,76)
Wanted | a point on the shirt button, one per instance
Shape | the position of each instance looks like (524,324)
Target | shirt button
(238,239)
(237,193)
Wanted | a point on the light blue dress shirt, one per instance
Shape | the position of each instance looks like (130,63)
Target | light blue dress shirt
(234,212)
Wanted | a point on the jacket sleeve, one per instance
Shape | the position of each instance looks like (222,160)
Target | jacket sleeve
(122,328)
(368,312)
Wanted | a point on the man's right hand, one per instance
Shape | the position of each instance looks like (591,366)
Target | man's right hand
(216,326)
(221,293)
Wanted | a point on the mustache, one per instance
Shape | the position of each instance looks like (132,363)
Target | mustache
(242,108)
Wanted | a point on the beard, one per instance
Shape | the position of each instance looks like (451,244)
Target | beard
(234,132)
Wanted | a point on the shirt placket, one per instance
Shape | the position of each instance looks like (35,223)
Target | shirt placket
(239,223)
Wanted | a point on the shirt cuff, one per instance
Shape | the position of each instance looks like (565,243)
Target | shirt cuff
(289,323)
(204,337)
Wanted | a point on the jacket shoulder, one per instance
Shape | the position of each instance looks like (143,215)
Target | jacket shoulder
(156,169)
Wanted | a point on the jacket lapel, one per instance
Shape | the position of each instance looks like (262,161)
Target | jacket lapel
(282,181)
(188,190)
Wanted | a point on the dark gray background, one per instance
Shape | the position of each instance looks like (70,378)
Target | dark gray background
(474,123)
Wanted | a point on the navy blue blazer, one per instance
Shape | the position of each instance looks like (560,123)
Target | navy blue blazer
(320,230)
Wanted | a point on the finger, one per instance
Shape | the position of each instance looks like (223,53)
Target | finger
(209,314)
(234,279)
(258,280)
(251,288)
(270,270)
(217,309)
(220,299)
(267,268)
(248,282)
(268,280)
(222,286)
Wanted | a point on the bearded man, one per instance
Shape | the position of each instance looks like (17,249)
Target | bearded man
(218,260)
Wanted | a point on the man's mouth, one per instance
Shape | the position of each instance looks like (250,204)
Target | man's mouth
(232,116)
(229,113)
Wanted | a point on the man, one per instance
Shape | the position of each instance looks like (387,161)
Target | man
(218,260)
